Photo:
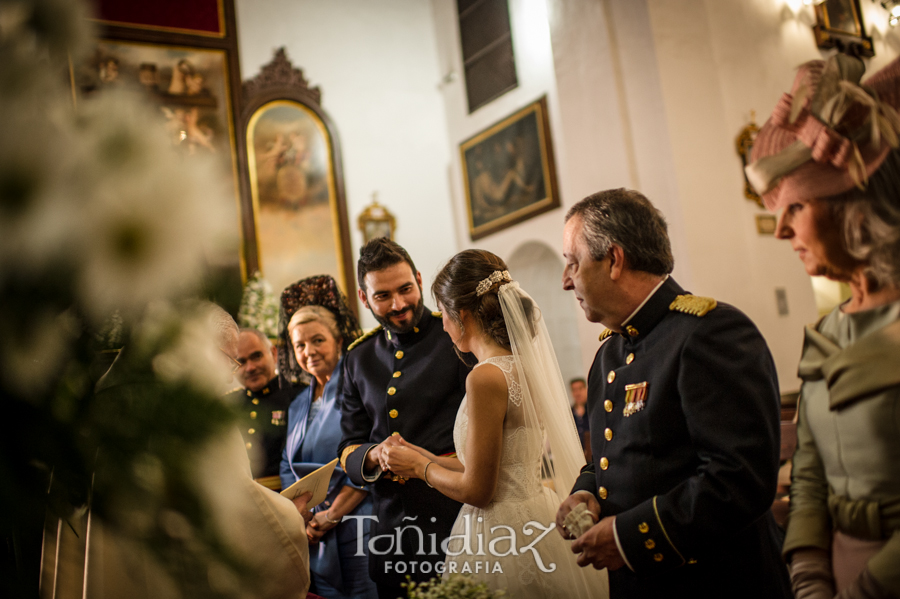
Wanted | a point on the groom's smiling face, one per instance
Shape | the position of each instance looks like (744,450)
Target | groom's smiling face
(394,295)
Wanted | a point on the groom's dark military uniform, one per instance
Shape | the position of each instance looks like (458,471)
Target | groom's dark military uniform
(411,384)
(684,417)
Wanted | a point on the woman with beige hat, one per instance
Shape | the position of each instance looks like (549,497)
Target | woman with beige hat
(826,160)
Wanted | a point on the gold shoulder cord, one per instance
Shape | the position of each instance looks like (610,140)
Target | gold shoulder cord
(693,304)
(363,337)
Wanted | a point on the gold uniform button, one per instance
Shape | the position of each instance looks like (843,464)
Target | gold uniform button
(629,358)
(611,376)
(602,492)
(251,431)
(394,413)
(608,434)
(255,402)
(608,405)
(392,390)
(249,445)
(397,375)
(649,543)
(253,415)
(604,463)
(644,527)
(395,434)
(415,329)
(398,354)
(657,557)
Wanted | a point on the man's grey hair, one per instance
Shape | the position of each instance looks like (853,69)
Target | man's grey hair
(626,218)
(267,344)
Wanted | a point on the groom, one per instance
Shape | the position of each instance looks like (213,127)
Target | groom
(403,377)
(684,419)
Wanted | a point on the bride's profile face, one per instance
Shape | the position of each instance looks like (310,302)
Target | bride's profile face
(453,329)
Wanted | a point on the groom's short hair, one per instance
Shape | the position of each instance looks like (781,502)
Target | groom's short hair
(378,254)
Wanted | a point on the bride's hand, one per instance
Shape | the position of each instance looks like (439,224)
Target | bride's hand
(403,461)
(592,505)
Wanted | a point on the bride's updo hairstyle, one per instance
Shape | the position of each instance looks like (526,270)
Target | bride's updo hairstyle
(456,288)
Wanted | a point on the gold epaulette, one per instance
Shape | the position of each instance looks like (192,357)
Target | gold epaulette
(363,337)
(230,391)
(344,454)
(606,333)
(693,304)
(437,314)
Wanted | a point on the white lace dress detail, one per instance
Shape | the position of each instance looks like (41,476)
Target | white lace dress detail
(512,544)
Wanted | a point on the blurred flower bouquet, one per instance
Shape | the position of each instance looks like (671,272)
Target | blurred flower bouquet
(104,228)
(456,586)
(259,307)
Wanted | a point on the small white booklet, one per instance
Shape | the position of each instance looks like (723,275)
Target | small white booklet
(315,482)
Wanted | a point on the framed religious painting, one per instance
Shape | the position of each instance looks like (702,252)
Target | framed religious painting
(839,25)
(508,171)
(184,55)
(294,178)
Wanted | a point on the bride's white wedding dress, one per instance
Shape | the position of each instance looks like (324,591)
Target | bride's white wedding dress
(512,544)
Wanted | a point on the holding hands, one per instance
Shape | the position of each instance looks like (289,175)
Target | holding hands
(403,458)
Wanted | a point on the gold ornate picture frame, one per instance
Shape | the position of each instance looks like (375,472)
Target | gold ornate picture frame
(295,224)
(509,173)
(839,25)
(743,143)
(376,221)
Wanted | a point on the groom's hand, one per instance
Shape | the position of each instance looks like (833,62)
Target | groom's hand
(598,547)
(592,505)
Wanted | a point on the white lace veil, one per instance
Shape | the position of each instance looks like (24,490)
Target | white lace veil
(543,391)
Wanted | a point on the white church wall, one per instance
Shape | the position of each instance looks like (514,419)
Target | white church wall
(377,65)
(717,62)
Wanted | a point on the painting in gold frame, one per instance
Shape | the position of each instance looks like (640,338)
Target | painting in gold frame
(294,199)
(509,173)
(839,25)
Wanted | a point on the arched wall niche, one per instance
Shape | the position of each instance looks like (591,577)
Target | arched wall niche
(538,270)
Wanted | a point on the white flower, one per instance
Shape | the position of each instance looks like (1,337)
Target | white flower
(154,214)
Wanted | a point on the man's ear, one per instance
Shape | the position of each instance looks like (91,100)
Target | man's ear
(419,278)
(362,297)
(275,352)
(616,262)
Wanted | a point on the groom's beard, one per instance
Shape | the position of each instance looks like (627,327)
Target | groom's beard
(417,311)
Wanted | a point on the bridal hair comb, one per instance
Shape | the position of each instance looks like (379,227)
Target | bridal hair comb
(485,285)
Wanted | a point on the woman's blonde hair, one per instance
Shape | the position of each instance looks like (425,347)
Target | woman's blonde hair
(313,313)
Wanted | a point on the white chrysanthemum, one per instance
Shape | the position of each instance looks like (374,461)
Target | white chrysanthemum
(154,213)
(41,210)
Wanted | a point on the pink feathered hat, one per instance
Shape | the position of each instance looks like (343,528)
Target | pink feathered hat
(829,134)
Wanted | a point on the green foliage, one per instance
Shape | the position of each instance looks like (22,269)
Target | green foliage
(456,586)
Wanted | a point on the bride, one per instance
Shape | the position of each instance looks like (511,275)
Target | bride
(515,401)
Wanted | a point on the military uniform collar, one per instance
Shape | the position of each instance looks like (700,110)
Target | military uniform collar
(419,331)
(654,309)
(270,388)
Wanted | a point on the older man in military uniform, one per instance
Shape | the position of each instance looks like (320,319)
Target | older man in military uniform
(263,406)
(402,378)
(684,418)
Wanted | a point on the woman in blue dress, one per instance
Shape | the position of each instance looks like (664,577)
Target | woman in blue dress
(317,327)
